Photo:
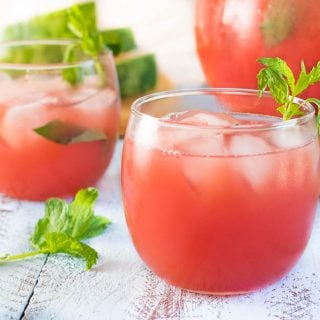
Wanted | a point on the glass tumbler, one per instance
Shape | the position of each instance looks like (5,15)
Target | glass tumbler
(217,201)
(58,119)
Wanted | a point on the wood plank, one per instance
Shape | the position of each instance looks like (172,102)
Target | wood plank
(123,288)
(18,279)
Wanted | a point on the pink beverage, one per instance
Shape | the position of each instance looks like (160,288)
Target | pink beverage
(55,136)
(218,202)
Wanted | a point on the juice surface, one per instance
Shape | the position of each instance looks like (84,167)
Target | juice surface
(34,167)
(229,223)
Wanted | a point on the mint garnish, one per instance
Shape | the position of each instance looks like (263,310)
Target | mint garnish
(279,79)
(90,42)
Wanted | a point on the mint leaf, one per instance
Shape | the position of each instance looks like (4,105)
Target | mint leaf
(56,219)
(68,133)
(281,67)
(82,219)
(278,86)
(89,135)
(86,197)
(263,80)
(96,227)
(306,79)
(81,212)
(57,242)
(315,101)
(279,78)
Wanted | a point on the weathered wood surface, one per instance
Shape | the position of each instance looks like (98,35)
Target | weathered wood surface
(17,280)
(121,287)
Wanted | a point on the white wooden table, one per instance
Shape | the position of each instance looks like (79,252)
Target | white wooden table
(121,287)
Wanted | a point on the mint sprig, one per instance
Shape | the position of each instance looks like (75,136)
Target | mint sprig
(64,226)
(279,79)
(90,42)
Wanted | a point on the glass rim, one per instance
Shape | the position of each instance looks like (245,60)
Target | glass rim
(310,111)
(86,62)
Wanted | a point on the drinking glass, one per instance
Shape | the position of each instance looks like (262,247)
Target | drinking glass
(217,201)
(58,119)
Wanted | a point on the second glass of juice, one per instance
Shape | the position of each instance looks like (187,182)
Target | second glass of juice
(58,120)
(217,201)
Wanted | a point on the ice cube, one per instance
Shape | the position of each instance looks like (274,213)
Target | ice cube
(18,122)
(146,133)
(20,111)
(94,100)
(289,137)
(251,159)
(208,178)
(87,108)
(18,92)
(45,83)
(247,144)
(204,118)
(198,142)
(52,91)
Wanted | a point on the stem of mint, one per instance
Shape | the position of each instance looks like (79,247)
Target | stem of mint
(21,256)
(90,41)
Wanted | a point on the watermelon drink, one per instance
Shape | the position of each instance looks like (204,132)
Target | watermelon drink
(217,201)
(58,121)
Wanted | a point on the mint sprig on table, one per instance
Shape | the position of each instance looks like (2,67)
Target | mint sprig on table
(63,227)
(90,42)
(279,79)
